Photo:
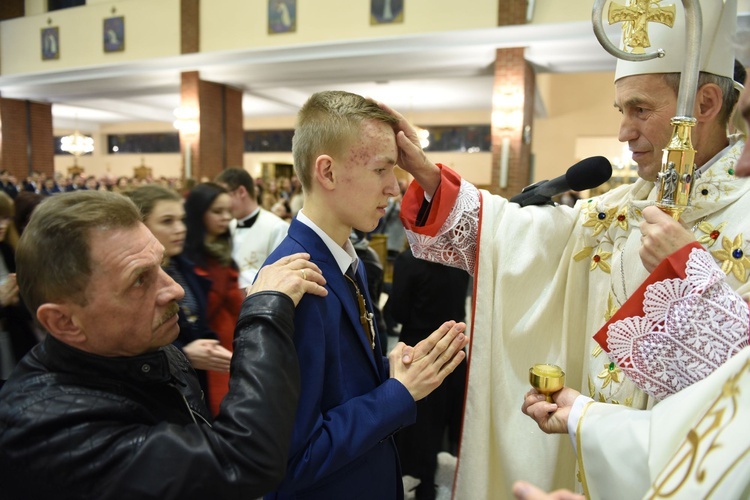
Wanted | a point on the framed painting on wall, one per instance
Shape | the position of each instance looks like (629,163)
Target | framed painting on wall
(386,11)
(114,34)
(282,16)
(50,43)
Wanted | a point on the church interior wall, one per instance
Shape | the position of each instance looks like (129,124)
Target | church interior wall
(327,20)
(34,7)
(578,104)
(152,30)
(555,11)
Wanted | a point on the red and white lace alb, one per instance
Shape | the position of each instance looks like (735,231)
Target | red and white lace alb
(690,327)
(455,244)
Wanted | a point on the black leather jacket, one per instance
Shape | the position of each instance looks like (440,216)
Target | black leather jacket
(75,425)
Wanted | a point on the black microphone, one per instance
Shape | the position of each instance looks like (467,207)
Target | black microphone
(586,174)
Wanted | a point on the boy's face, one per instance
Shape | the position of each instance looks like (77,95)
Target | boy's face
(365,176)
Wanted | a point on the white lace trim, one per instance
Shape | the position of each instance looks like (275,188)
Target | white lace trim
(455,244)
(690,327)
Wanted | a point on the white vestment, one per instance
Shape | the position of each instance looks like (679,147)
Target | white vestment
(547,278)
(694,444)
(251,246)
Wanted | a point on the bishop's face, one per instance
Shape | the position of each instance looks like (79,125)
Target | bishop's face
(647,105)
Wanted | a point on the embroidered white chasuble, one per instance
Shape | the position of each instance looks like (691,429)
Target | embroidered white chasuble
(546,279)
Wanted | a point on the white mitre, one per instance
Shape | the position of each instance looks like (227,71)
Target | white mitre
(717,43)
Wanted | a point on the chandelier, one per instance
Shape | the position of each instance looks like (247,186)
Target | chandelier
(77,144)
(424,136)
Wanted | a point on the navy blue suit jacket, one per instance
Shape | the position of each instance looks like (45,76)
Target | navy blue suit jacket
(349,408)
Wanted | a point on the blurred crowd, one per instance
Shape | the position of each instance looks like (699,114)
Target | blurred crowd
(282,195)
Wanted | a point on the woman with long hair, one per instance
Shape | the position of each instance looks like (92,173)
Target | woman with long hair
(208,244)
(163,214)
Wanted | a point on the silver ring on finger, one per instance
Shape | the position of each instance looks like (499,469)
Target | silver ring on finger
(304,274)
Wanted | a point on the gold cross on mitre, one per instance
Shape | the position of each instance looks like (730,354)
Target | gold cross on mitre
(635,17)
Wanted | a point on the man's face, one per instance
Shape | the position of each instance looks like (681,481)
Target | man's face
(131,302)
(647,105)
(366,178)
(742,169)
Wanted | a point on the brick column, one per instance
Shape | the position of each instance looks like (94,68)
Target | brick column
(27,142)
(10,9)
(219,142)
(512,109)
(190,26)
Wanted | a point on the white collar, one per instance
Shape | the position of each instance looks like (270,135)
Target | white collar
(345,256)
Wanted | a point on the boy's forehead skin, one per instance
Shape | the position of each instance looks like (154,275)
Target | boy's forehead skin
(370,143)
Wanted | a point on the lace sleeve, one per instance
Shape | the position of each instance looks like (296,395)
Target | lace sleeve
(690,327)
(455,244)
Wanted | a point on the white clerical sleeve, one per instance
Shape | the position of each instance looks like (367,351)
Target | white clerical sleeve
(694,444)
(575,414)
(613,444)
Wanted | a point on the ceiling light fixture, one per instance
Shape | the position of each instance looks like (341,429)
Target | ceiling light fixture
(186,120)
(77,144)
(424,136)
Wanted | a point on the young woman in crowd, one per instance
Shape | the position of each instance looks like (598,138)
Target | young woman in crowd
(208,244)
(163,213)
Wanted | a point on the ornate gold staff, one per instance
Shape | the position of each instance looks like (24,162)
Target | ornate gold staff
(678,162)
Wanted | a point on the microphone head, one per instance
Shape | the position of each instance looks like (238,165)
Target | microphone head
(589,173)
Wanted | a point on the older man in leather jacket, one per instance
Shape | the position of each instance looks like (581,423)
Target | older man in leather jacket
(106,407)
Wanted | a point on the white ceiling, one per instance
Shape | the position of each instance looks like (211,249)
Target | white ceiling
(430,72)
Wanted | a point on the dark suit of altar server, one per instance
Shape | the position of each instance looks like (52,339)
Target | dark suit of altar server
(342,444)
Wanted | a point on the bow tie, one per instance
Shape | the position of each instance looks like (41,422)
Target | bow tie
(247,223)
